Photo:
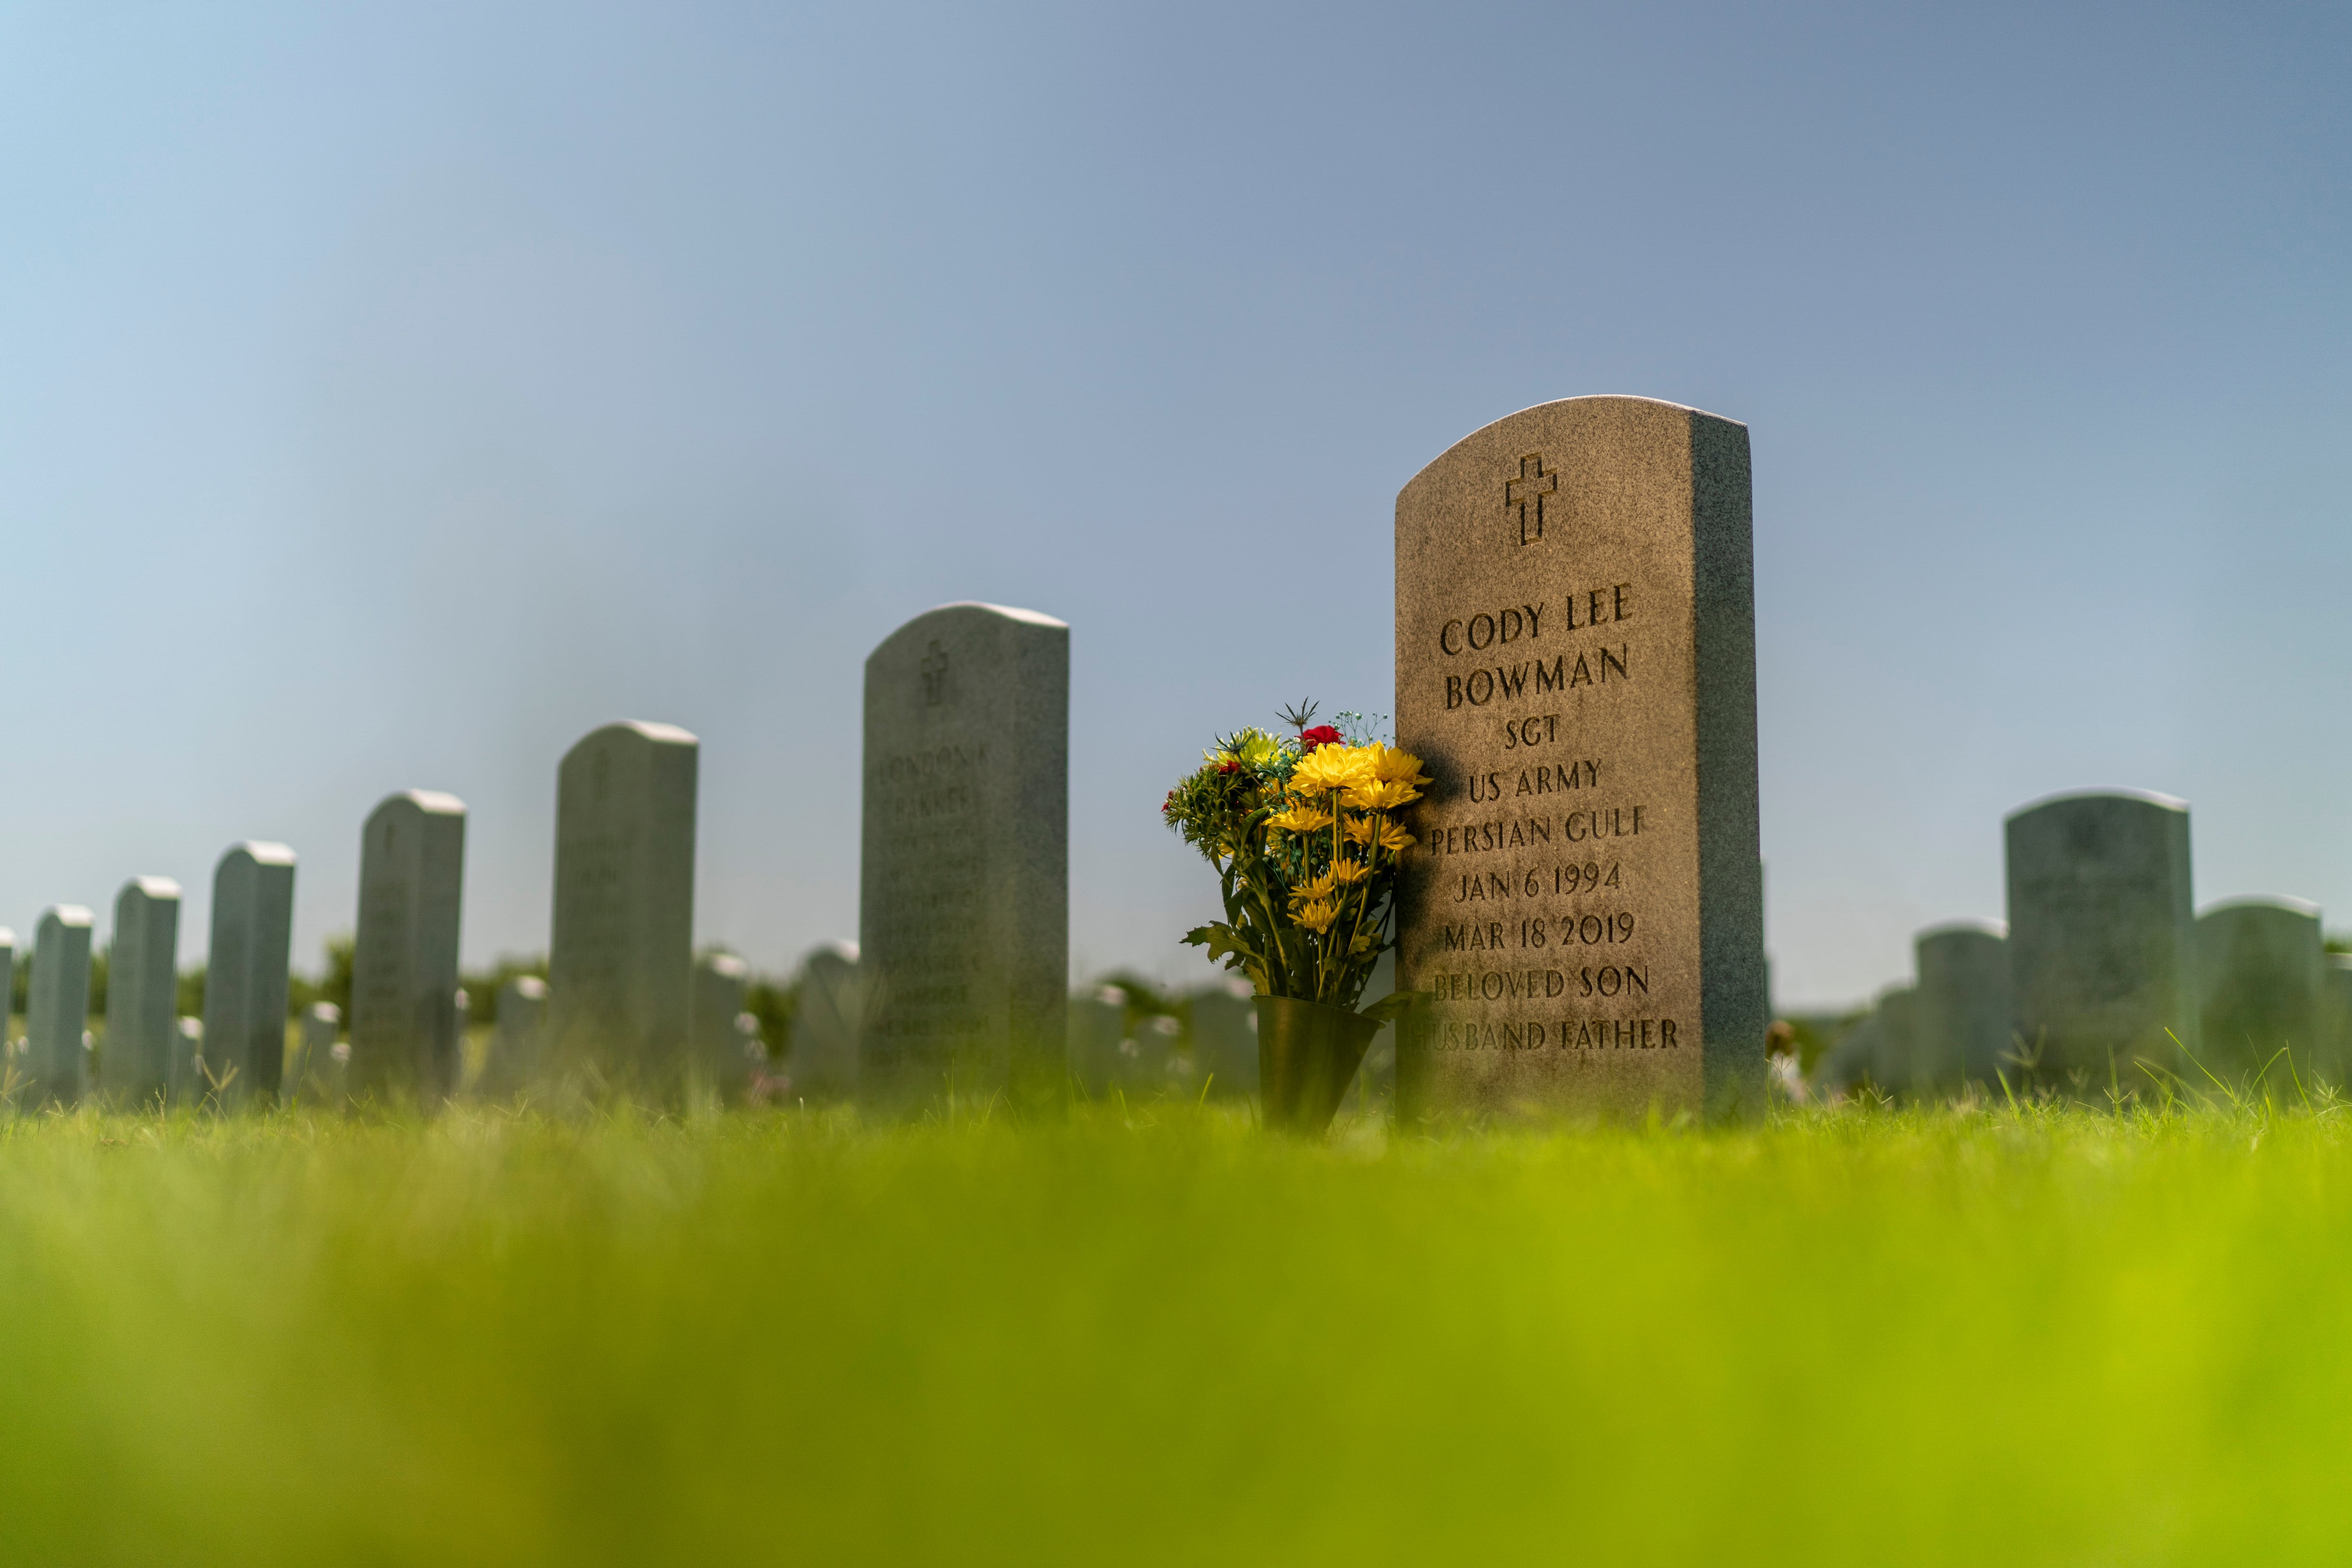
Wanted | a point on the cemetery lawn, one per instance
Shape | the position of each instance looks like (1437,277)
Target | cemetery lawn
(1153,1335)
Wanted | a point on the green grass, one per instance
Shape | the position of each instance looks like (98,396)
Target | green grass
(1158,1336)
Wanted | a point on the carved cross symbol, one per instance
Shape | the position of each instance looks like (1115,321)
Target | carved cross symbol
(935,674)
(1525,495)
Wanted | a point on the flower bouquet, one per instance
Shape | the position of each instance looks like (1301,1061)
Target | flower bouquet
(1304,834)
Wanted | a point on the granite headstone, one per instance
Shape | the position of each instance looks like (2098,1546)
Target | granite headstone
(1575,663)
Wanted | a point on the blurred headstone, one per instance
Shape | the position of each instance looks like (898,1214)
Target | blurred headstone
(965,896)
(406,1034)
(143,993)
(2262,971)
(2102,947)
(1964,1007)
(621,968)
(56,1012)
(2337,1067)
(187,1062)
(823,1061)
(316,1078)
(245,973)
(11,1048)
(1894,1066)
(720,981)
(513,1063)
(1850,1061)
(1224,1038)
(1097,1024)
(1576,665)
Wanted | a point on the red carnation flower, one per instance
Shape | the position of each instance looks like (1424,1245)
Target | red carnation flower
(1229,766)
(1321,735)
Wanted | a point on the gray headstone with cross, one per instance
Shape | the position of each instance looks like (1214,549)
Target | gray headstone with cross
(1575,664)
(143,993)
(245,973)
(963,907)
(620,968)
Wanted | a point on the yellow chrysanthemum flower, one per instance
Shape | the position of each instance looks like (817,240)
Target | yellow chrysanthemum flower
(1317,916)
(1391,765)
(1299,820)
(1333,767)
(1362,829)
(1395,839)
(1381,794)
(1346,873)
(1320,886)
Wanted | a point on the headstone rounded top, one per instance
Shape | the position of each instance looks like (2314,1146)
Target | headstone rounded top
(326,1012)
(529,986)
(261,852)
(726,964)
(155,886)
(842,952)
(66,915)
(2339,961)
(660,735)
(2065,798)
(7,937)
(1031,617)
(1999,929)
(1900,992)
(1563,403)
(438,802)
(2302,906)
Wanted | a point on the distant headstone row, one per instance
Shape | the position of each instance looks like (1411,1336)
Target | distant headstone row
(1581,918)
(2104,979)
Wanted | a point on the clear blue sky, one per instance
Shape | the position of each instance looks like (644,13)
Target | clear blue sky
(389,397)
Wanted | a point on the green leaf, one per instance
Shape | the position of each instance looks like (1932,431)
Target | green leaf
(1223,942)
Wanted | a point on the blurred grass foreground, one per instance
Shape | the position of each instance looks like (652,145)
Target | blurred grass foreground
(2027,1335)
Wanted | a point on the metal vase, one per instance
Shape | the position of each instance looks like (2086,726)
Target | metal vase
(1308,1053)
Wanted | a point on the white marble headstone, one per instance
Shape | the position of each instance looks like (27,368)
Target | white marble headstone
(143,993)
(620,970)
(56,1012)
(245,973)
